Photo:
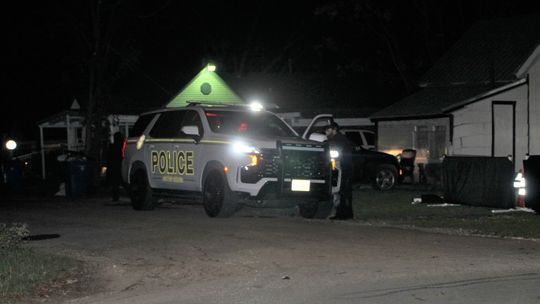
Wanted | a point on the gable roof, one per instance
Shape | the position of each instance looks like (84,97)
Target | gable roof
(428,102)
(205,86)
(491,51)
(437,101)
(488,58)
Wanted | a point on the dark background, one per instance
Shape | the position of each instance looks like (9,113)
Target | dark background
(374,51)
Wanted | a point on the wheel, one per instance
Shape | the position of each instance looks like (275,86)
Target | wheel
(308,209)
(218,199)
(315,209)
(140,192)
(385,178)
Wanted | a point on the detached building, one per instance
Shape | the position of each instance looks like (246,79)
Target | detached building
(482,98)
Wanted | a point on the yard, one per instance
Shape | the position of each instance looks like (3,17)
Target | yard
(395,208)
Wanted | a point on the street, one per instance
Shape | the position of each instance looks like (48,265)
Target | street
(176,254)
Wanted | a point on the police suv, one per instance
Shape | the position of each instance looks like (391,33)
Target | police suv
(230,155)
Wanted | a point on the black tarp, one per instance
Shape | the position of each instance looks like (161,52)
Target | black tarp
(479,181)
(531,172)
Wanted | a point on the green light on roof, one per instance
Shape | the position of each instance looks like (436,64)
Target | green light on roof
(211,67)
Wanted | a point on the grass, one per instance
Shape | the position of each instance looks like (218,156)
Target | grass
(25,272)
(394,208)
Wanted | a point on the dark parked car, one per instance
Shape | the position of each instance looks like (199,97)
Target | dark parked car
(380,169)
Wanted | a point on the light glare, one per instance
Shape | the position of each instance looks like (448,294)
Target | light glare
(256,106)
(11,144)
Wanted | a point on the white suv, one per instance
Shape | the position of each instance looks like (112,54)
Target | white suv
(229,155)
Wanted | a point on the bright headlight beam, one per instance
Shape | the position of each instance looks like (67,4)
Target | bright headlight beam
(334,154)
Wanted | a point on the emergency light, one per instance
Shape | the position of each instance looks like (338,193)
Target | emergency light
(256,106)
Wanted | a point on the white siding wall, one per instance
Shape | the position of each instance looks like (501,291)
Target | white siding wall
(473,126)
(394,136)
(534,107)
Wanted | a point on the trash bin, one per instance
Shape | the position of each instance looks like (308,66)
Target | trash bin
(80,177)
(531,168)
(11,176)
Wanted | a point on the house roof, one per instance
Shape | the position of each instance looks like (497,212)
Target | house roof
(491,51)
(486,59)
(430,101)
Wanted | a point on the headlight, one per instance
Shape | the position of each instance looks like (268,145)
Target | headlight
(334,154)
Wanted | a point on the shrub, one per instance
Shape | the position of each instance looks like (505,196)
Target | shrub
(12,236)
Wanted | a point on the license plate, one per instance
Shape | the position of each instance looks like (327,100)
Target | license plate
(300,185)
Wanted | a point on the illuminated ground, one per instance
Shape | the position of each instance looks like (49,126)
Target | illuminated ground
(176,254)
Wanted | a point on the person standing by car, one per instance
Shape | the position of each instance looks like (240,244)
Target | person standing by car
(339,142)
(114,163)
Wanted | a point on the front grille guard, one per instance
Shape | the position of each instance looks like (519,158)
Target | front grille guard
(282,169)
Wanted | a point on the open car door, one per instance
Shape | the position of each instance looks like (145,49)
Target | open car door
(315,132)
(315,129)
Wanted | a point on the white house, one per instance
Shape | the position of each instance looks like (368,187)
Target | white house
(481,98)
(72,121)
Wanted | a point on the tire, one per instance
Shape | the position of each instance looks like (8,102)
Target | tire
(385,178)
(140,192)
(308,209)
(218,199)
(315,209)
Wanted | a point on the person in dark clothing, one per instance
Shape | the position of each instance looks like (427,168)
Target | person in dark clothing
(114,164)
(339,142)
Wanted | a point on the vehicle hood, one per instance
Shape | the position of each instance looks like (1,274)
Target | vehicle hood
(378,154)
(267,142)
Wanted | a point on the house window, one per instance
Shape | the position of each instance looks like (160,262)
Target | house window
(430,142)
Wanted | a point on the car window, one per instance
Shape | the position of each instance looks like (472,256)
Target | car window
(249,123)
(319,125)
(354,137)
(168,124)
(370,138)
(192,118)
(140,125)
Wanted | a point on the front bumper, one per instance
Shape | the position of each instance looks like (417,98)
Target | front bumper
(279,167)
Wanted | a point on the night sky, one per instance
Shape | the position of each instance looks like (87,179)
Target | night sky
(155,47)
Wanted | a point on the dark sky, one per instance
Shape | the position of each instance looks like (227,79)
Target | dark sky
(155,47)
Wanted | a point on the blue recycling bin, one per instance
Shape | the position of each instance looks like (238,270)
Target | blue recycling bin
(80,177)
(11,176)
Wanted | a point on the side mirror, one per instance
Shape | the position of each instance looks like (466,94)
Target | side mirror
(191,130)
(318,137)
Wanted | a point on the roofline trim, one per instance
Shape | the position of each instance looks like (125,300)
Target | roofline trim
(528,63)
(485,95)
(455,106)
(415,117)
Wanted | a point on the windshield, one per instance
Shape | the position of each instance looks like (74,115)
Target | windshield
(247,123)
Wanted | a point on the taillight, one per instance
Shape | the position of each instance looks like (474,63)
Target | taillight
(124,147)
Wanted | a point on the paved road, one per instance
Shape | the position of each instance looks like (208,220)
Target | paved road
(176,254)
